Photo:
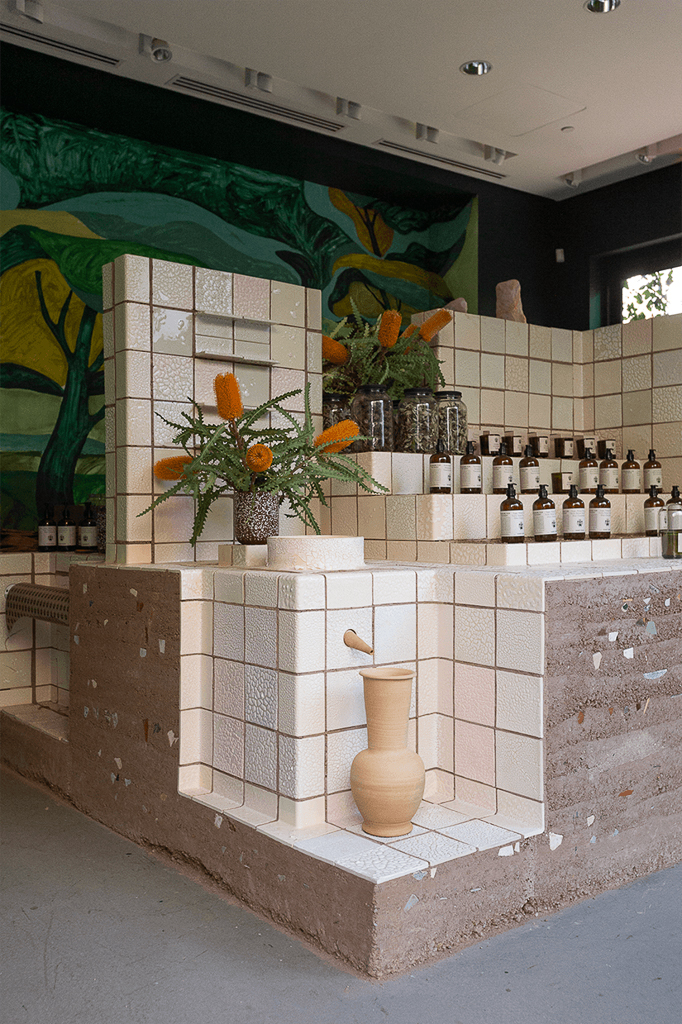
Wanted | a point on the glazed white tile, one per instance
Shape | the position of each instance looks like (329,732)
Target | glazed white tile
(544,553)
(475,635)
(401,520)
(132,327)
(576,551)
(131,278)
(133,422)
(435,687)
(173,378)
(228,684)
(288,346)
(341,749)
(301,592)
(635,547)
(228,631)
(435,585)
(196,627)
(434,631)
(475,752)
(382,864)
(260,756)
(473,798)
(394,586)
(469,516)
(481,834)
(251,297)
(301,703)
(519,703)
(378,465)
(634,512)
(301,641)
(260,696)
(260,588)
(338,621)
(301,766)
(358,831)
(196,736)
(519,810)
(433,847)
(228,745)
(345,700)
(519,763)
(338,846)
(228,586)
(434,517)
(395,633)
(520,641)
(213,291)
(492,334)
(288,304)
(435,816)
(261,637)
(314,351)
(306,817)
(133,374)
(435,741)
(290,833)
(194,779)
(172,284)
(342,810)
(475,588)
(407,473)
(523,592)
(603,550)
(439,786)
(349,589)
(196,681)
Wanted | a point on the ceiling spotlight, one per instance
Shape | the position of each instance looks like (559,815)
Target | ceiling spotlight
(646,155)
(476,67)
(573,179)
(494,155)
(601,6)
(161,51)
(426,133)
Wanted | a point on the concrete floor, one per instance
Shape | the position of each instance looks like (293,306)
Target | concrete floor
(95,930)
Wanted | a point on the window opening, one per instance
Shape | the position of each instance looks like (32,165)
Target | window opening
(647,295)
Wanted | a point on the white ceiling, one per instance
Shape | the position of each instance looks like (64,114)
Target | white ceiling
(615,79)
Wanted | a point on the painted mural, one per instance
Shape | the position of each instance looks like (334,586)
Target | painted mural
(74,198)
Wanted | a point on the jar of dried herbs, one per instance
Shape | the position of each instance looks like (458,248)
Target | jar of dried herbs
(372,410)
(334,408)
(418,421)
(452,422)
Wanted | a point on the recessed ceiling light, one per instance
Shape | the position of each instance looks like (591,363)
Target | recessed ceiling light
(476,67)
(602,6)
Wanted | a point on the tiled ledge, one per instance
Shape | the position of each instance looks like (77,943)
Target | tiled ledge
(481,553)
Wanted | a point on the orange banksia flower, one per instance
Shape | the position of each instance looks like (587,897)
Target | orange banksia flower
(228,396)
(172,468)
(434,324)
(333,351)
(342,433)
(258,458)
(389,328)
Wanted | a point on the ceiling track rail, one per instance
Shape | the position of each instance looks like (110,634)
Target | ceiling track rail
(434,159)
(56,44)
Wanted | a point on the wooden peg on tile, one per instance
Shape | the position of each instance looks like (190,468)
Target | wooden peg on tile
(351,639)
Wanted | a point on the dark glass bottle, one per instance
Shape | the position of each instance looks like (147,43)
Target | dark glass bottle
(673,502)
(529,472)
(600,516)
(440,470)
(47,531)
(652,512)
(544,516)
(631,474)
(574,516)
(503,470)
(608,473)
(66,532)
(588,473)
(87,530)
(512,528)
(470,471)
(653,472)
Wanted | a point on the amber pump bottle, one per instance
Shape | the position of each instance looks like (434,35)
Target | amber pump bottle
(652,511)
(608,473)
(588,473)
(544,516)
(600,516)
(47,531)
(440,471)
(66,532)
(529,471)
(470,471)
(574,516)
(653,472)
(512,518)
(503,470)
(631,474)
(87,530)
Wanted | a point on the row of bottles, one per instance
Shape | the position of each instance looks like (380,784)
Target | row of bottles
(65,535)
(564,447)
(592,473)
(576,521)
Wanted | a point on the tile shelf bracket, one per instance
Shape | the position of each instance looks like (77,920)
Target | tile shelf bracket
(235,319)
(228,358)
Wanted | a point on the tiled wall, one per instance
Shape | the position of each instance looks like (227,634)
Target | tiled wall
(624,380)
(168,330)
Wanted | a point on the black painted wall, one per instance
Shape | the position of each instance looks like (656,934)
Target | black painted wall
(518,232)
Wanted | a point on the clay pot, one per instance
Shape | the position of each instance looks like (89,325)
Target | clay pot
(387,779)
(256,516)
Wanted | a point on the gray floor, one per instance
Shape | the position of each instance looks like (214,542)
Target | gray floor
(94,930)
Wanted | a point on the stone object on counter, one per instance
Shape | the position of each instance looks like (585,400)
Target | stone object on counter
(509,301)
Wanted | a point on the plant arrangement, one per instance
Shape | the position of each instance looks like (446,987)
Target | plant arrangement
(240,455)
(357,351)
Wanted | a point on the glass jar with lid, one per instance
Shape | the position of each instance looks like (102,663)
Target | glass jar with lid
(453,428)
(335,408)
(418,421)
(372,410)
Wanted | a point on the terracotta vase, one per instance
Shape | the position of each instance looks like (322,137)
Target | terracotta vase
(387,779)
(256,516)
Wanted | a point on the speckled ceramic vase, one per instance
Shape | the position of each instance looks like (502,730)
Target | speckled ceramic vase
(387,779)
(256,516)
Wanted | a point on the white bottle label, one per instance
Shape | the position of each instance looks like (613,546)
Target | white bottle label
(47,536)
(589,477)
(470,476)
(600,520)
(530,478)
(440,475)
(542,445)
(653,478)
(502,475)
(653,519)
(87,536)
(632,480)
(544,522)
(66,536)
(608,478)
(574,520)
(567,448)
(511,522)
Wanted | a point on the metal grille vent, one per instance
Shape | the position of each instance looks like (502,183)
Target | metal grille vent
(51,604)
(432,158)
(55,44)
(254,103)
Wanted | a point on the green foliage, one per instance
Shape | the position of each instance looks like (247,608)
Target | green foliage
(650,298)
(217,460)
